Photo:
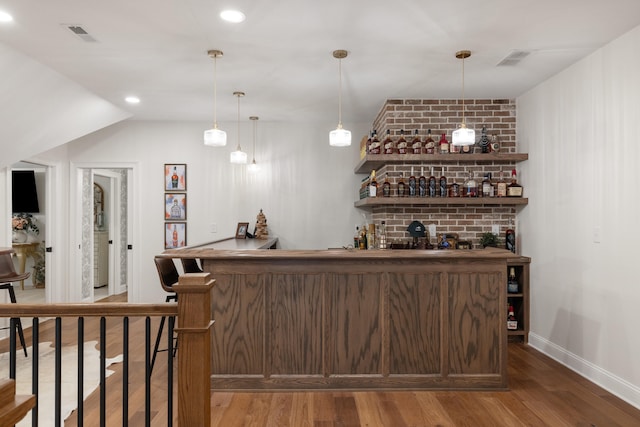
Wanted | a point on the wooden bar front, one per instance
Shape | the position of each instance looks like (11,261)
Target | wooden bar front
(342,319)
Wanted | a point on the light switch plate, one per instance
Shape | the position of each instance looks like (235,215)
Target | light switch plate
(495,229)
(432,230)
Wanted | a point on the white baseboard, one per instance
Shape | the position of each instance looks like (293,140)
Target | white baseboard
(623,389)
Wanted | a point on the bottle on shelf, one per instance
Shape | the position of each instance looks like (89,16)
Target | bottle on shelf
(501,186)
(386,186)
(429,144)
(371,236)
(375,147)
(413,185)
(402,188)
(442,184)
(416,144)
(454,189)
(466,149)
(512,322)
(363,237)
(470,187)
(485,145)
(495,143)
(356,238)
(510,239)
(514,189)
(487,186)
(432,188)
(373,185)
(368,146)
(382,236)
(422,184)
(401,143)
(387,143)
(443,144)
(512,283)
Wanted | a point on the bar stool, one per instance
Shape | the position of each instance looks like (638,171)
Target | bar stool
(190,265)
(168,274)
(7,276)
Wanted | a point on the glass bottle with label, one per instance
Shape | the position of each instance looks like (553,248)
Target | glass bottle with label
(487,185)
(422,184)
(514,189)
(512,322)
(401,143)
(501,186)
(375,147)
(386,186)
(402,188)
(443,144)
(413,185)
(416,144)
(356,238)
(484,143)
(512,283)
(382,236)
(510,239)
(373,185)
(387,143)
(432,188)
(470,187)
(429,144)
(454,189)
(442,187)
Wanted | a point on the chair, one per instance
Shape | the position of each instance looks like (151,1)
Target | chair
(168,274)
(190,265)
(7,276)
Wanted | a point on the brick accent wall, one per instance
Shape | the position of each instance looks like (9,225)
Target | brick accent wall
(444,116)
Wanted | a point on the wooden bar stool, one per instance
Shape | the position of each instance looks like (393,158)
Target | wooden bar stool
(8,275)
(169,276)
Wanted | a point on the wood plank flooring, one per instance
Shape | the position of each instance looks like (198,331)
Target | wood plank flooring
(542,393)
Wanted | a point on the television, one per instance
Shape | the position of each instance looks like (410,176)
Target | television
(24,192)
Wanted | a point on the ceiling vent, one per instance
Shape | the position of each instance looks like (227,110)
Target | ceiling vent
(80,32)
(513,58)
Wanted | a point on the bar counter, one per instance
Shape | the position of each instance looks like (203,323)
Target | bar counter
(351,319)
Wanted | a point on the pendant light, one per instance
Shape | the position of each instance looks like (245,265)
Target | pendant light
(253,167)
(239,157)
(463,135)
(215,137)
(340,137)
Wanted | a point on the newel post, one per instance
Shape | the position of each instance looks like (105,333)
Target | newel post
(194,354)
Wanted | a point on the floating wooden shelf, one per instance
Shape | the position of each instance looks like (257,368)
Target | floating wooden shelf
(439,201)
(376,161)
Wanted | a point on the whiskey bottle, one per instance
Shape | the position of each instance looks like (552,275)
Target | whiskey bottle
(454,190)
(373,185)
(413,184)
(432,187)
(374,148)
(401,143)
(512,283)
(363,237)
(442,187)
(422,184)
(429,144)
(510,239)
(512,322)
(501,187)
(402,188)
(386,186)
(470,187)
(416,144)
(487,186)
(382,236)
(495,143)
(387,143)
(444,144)
(484,143)
(514,189)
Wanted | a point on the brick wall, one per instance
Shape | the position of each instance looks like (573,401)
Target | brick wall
(444,116)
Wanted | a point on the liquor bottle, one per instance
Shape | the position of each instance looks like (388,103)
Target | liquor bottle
(401,143)
(432,187)
(484,143)
(512,283)
(363,237)
(429,144)
(454,190)
(371,236)
(510,239)
(413,184)
(402,188)
(444,144)
(387,143)
(487,187)
(174,178)
(514,189)
(416,144)
(369,139)
(373,185)
(374,148)
(512,322)
(442,187)
(501,187)
(470,187)
(495,143)
(422,184)
(386,186)
(466,149)
(356,238)
(382,236)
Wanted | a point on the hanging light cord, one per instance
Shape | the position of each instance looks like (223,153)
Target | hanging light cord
(238,149)
(254,140)
(463,122)
(340,93)
(215,92)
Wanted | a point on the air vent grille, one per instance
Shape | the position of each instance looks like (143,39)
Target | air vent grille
(513,58)
(80,33)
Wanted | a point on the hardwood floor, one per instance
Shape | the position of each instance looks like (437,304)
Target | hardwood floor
(542,393)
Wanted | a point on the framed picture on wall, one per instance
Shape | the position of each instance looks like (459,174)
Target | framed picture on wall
(175,206)
(241,230)
(175,177)
(175,235)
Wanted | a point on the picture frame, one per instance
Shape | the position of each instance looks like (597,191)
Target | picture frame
(175,235)
(241,230)
(175,206)
(175,177)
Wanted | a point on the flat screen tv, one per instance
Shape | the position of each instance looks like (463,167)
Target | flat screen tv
(24,192)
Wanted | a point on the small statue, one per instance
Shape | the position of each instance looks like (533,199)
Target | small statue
(261,226)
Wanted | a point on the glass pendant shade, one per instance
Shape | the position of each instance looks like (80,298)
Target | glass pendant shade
(463,136)
(253,167)
(238,157)
(340,137)
(215,137)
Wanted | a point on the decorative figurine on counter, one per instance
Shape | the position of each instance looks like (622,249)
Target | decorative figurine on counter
(261,226)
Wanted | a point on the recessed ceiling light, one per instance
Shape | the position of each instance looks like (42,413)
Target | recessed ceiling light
(132,99)
(5,17)
(234,16)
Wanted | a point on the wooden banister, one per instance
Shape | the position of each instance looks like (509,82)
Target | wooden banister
(88,310)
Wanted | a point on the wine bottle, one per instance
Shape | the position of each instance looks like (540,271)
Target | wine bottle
(386,186)
(402,189)
(444,144)
(514,189)
(422,184)
(416,144)
(432,188)
(387,143)
(512,283)
(401,143)
(512,322)
(412,184)
(429,144)
(443,184)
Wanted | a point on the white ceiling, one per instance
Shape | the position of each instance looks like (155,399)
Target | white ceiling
(281,56)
